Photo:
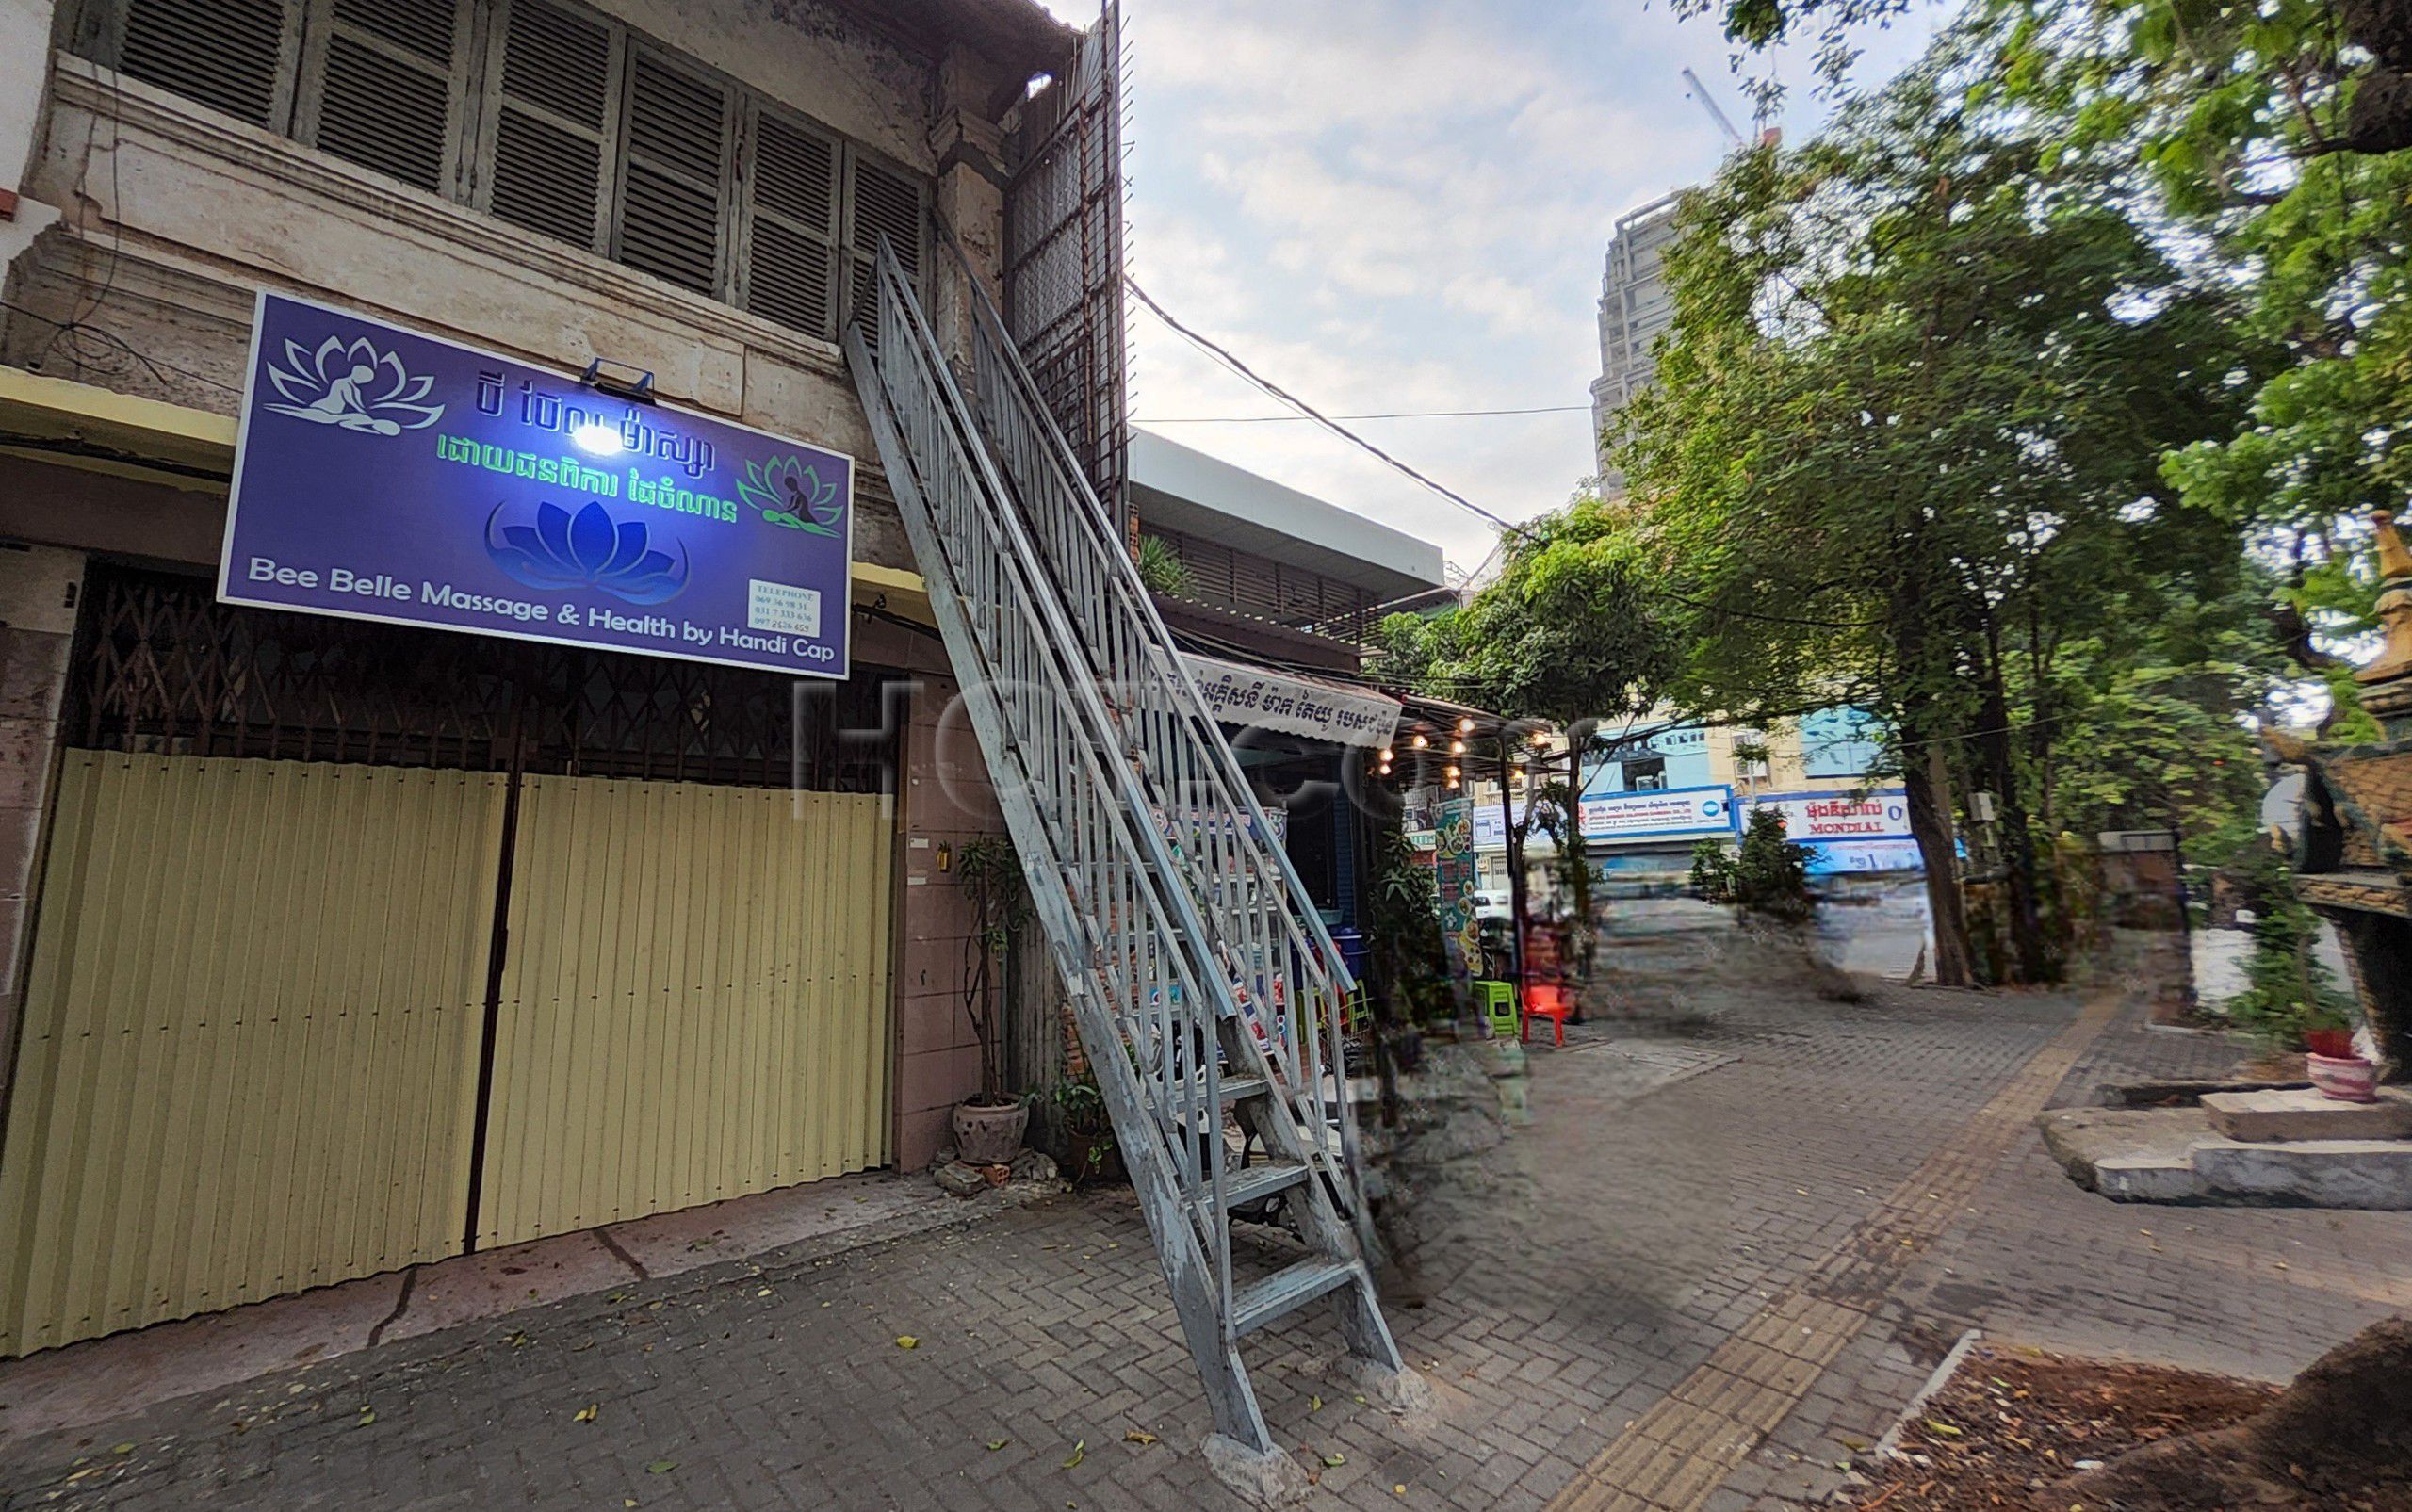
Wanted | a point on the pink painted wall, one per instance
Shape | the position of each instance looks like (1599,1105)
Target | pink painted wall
(947,800)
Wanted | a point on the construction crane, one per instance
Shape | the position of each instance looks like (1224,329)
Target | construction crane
(1700,91)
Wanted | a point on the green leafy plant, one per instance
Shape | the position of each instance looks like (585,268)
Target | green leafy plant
(1406,932)
(1712,870)
(1771,874)
(1161,568)
(1086,1122)
(2288,992)
(989,872)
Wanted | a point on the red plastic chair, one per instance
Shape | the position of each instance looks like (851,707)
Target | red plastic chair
(1550,1000)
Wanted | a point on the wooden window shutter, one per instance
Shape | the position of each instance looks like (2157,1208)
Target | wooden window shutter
(552,120)
(676,154)
(791,266)
(236,55)
(883,202)
(385,86)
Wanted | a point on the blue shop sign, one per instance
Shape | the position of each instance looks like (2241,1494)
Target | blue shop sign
(385,475)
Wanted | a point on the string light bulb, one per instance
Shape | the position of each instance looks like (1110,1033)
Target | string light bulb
(1465,726)
(1422,740)
(1457,747)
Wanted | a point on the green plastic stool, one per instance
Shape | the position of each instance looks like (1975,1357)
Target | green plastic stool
(1496,1002)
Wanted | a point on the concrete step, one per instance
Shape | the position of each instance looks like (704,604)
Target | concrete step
(2300,1114)
(2174,1155)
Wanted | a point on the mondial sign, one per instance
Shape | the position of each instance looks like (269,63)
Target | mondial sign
(385,475)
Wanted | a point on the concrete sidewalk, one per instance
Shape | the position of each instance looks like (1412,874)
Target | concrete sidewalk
(1711,1168)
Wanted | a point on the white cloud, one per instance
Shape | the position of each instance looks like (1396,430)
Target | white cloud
(1401,205)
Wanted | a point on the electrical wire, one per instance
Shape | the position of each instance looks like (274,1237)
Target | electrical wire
(1224,356)
(1386,414)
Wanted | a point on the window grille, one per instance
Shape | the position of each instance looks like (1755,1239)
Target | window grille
(556,119)
(161,667)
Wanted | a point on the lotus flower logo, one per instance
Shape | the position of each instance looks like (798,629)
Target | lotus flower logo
(788,492)
(353,386)
(588,549)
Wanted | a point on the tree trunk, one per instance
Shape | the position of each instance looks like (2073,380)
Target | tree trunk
(1927,782)
(1515,868)
(2027,947)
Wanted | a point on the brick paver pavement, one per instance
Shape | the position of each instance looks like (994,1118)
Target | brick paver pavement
(1575,1276)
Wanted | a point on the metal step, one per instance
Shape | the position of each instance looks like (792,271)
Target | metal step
(1286,1290)
(1259,1182)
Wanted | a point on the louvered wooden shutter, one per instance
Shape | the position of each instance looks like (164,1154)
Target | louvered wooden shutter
(552,123)
(385,86)
(670,188)
(236,55)
(884,202)
(792,249)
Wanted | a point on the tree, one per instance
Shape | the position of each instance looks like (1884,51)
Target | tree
(1907,436)
(2275,136)
(1573,631)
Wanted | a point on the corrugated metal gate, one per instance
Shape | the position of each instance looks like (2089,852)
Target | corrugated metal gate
(358,946)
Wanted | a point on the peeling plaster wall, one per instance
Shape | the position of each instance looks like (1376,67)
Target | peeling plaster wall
(175,214)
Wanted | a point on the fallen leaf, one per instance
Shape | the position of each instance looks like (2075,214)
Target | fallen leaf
(366,1416)
(1335,1459)
(661,1467)
(1080,1451)
(1138,1436)
(1944,1428)
(765,1291)
(1315,1404)
(995,1444)
(121,1449)
(908,1342)
(586,1413)
(1399,1489)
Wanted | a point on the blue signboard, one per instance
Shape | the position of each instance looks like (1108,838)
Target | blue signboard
(385,475)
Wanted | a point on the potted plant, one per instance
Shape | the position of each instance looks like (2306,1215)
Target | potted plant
(989,1125)
(2337,1069)
(1088,1132)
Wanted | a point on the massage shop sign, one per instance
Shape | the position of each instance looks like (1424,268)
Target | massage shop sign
(385,475)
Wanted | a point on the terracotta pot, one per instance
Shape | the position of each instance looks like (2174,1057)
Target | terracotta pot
(2343,1078)
(990,1136)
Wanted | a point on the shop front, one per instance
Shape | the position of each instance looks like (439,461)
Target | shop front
(505,845)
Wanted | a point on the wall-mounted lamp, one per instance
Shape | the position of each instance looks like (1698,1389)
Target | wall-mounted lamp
(946,858)
(624,381)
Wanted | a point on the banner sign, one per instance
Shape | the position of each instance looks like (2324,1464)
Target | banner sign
(1675,812)
(383,474)
(1844,857)
(1823,817)
(1251,697)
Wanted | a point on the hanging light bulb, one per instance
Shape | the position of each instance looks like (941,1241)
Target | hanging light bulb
(1457,747)
(1465,726)
(1385,754)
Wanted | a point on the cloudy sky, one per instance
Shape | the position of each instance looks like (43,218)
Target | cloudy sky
(1405,205)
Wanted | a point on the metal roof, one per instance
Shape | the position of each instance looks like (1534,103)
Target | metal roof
(1178,488)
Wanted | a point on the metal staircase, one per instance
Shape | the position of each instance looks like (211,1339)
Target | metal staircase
(1201,977)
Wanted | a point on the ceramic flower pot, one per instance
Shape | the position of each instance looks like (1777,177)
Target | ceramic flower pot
(990,1136)
(2343,1078)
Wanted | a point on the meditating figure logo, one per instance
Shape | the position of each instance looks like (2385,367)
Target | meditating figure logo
(790,492)
(353,386)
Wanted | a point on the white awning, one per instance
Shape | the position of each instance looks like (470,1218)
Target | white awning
(1255,698)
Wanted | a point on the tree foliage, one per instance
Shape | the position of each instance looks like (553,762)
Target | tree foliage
(1572,630)
(2274,135)
(1905,450)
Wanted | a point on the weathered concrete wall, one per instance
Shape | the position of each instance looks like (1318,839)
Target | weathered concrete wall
(175,214)
(38,587)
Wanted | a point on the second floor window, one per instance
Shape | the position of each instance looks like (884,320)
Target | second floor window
(552,117)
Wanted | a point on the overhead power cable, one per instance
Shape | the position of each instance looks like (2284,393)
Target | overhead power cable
(1224,355)
(1384,415)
